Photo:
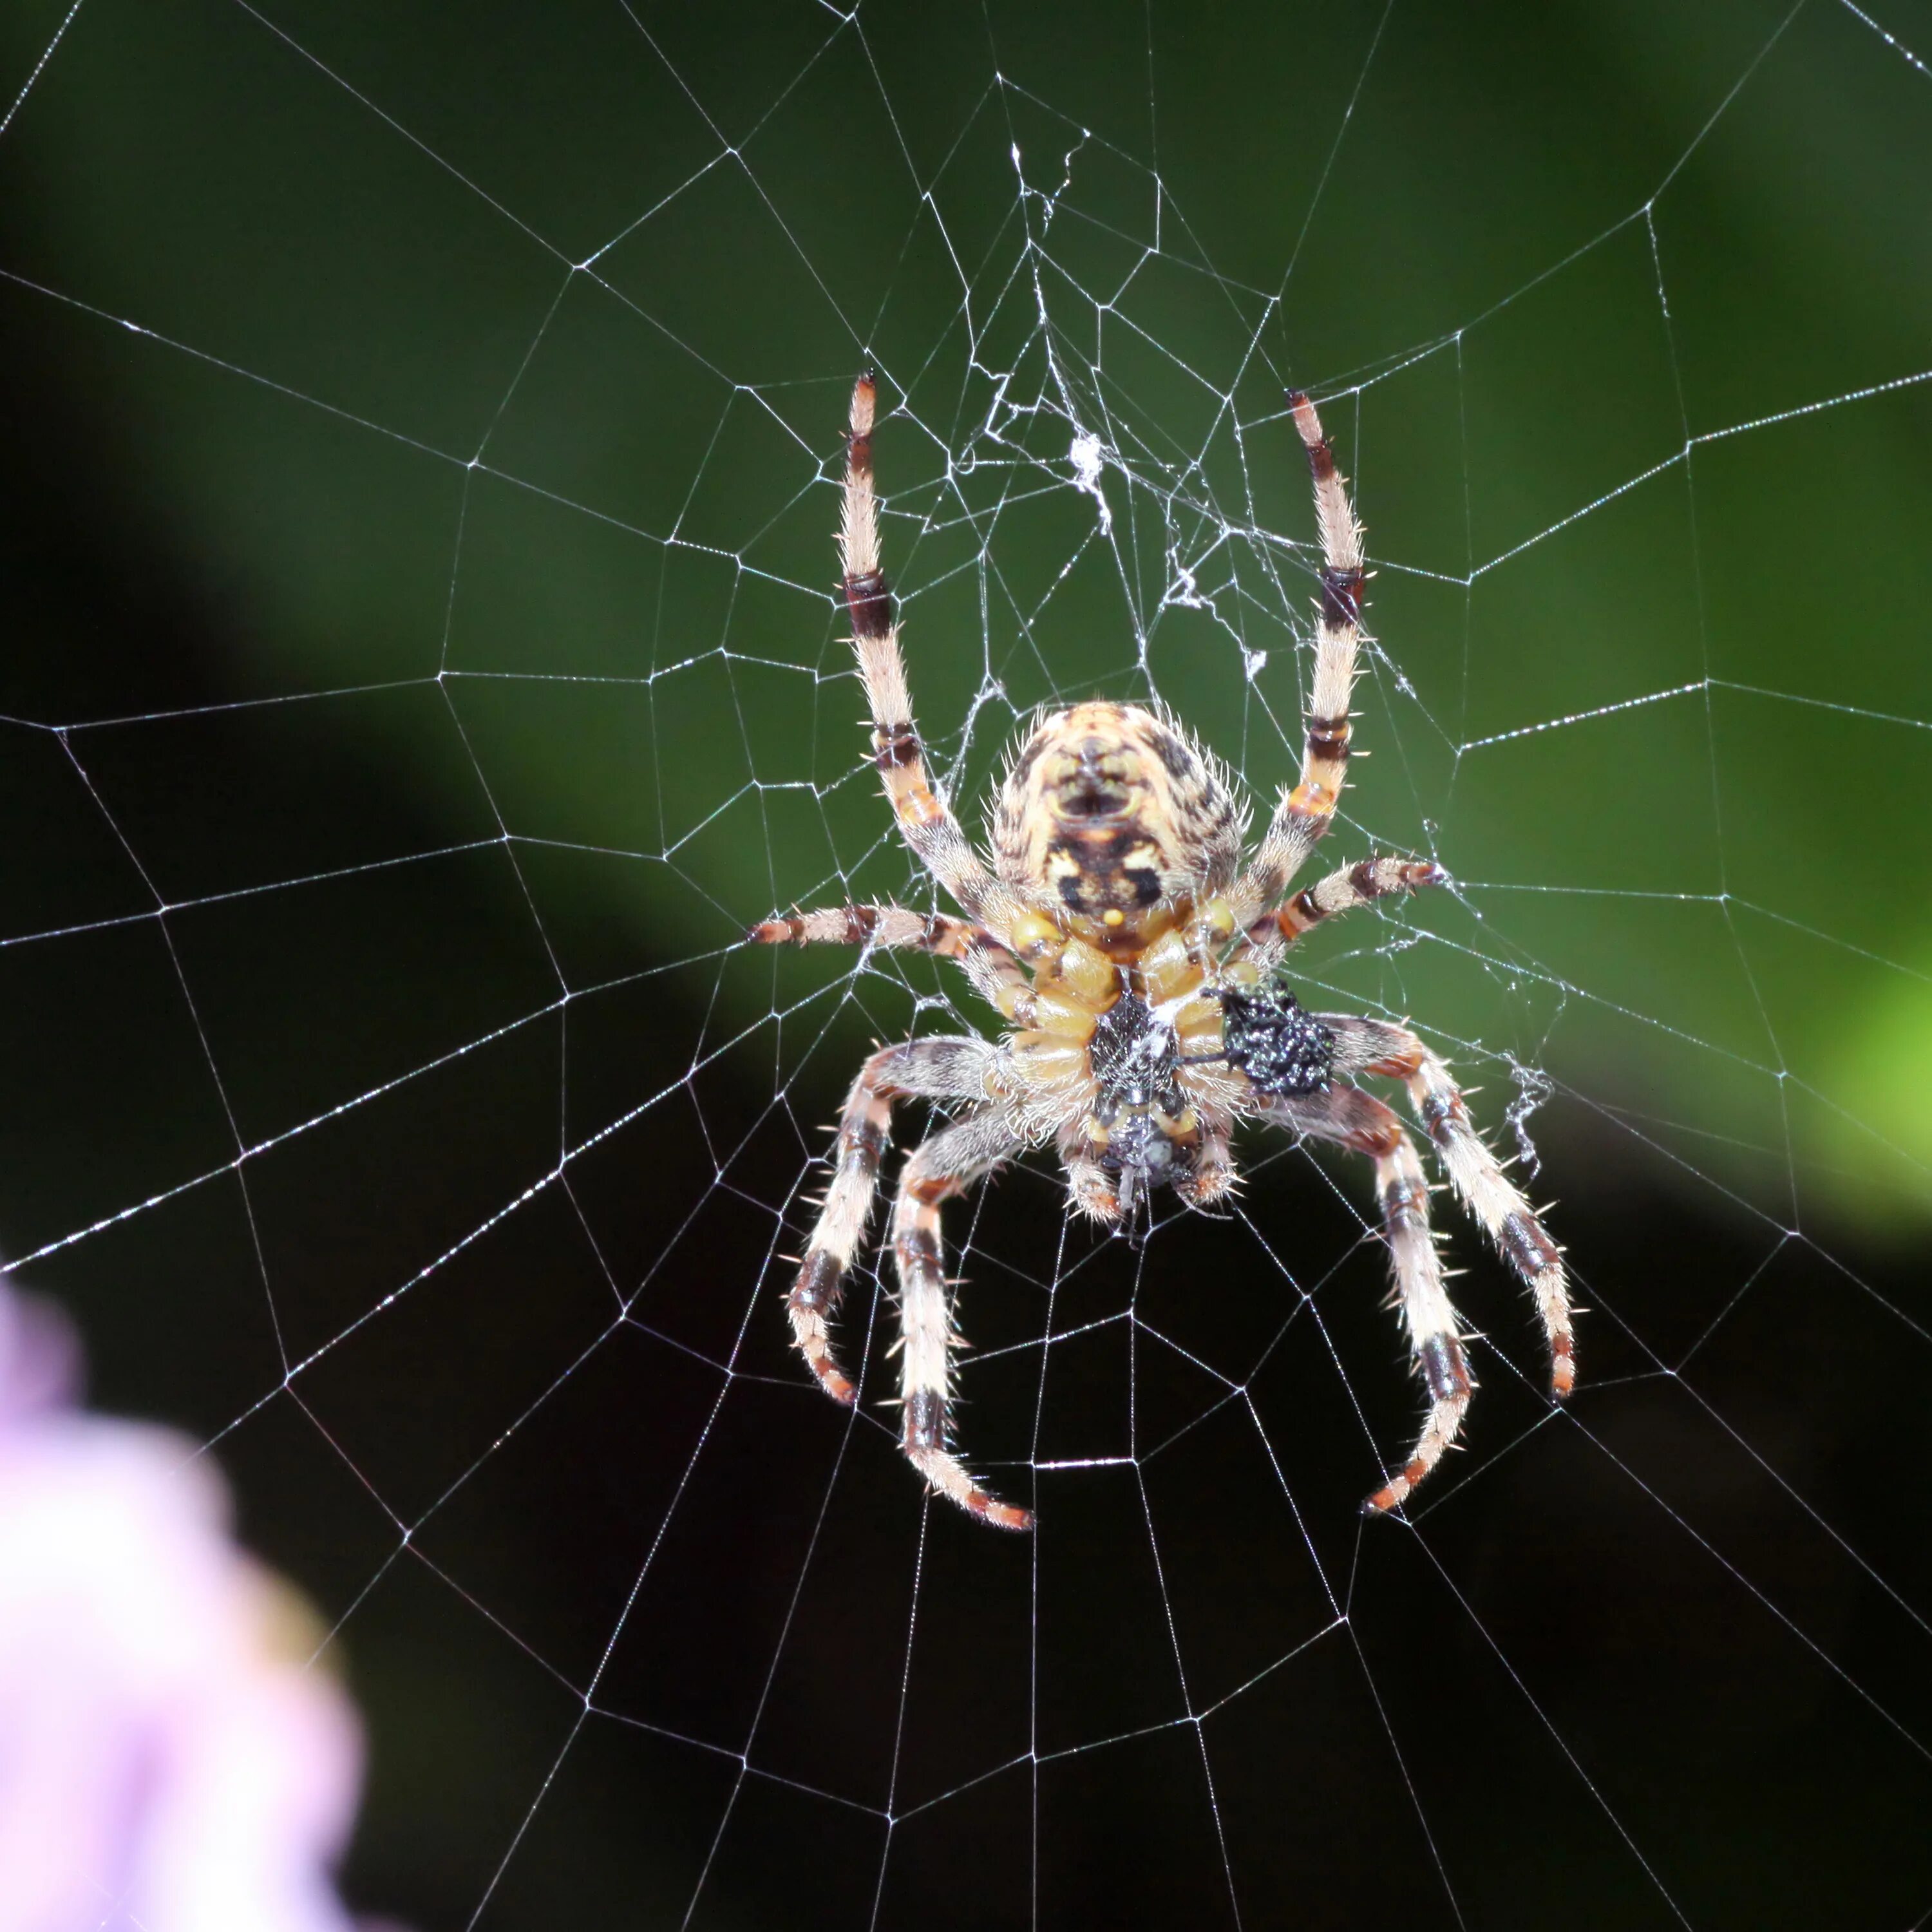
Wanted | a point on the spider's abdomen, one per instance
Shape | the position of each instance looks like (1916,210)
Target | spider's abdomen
(1109,811)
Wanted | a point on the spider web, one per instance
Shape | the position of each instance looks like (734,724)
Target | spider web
(393,1102)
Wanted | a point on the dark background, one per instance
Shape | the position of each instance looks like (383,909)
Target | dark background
(470,379)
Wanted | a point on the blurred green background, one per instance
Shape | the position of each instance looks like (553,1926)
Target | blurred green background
(471,378)
(394,435)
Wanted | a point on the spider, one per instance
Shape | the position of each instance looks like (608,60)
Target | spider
(1135,958)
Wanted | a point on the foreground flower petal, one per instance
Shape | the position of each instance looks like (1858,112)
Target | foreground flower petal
(169,1759)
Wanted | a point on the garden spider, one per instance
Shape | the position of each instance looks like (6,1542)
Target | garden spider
(1135,959)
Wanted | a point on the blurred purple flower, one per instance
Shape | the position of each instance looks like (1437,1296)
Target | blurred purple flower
(167,1761)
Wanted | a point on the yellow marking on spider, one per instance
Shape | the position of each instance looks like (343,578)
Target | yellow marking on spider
(1087,974)
(1030,934)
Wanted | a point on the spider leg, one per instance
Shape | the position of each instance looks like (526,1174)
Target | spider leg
(1371,1046)
(1089,1187)
(930,828)
(1359,1121)
(938,1068)
(986,962)
(1342,891)
(1306,812)
(938,933)
(1214,1177)
(940,1167)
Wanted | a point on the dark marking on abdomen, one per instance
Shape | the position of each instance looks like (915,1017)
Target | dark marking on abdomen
(1105,878)
(1028,757)
(1174,751)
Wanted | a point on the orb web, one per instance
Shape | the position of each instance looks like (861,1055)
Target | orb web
(400,1110)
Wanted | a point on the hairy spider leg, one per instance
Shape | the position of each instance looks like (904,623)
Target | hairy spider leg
(1372,1046)
(1214,1177)
(1360,1122)
(942,1067)
(940,1167)
(935,835)
(1089,1187)
(988,964)
(1306,812)
(1343,891)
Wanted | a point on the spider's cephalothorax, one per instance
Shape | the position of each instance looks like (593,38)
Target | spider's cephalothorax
(1135,960)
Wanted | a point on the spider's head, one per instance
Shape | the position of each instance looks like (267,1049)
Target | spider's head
(1110,810)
